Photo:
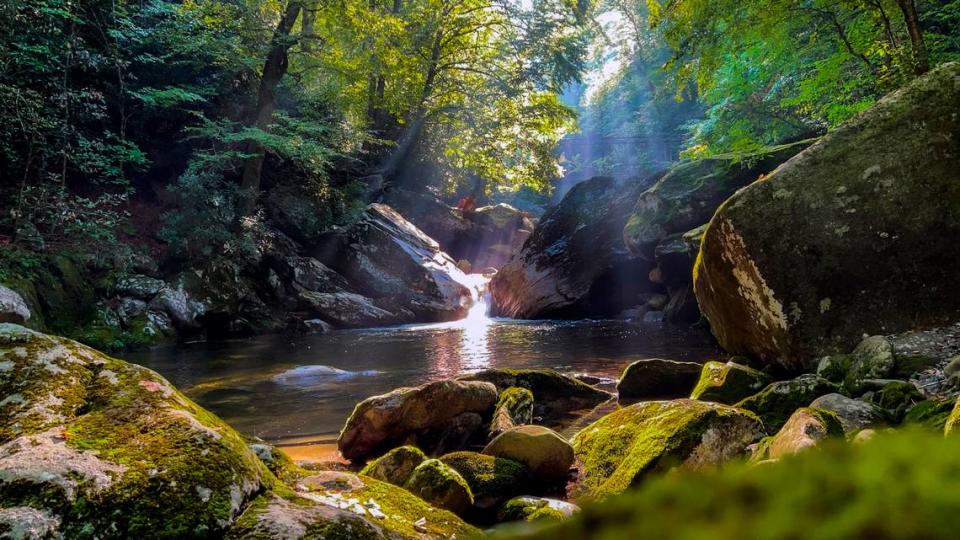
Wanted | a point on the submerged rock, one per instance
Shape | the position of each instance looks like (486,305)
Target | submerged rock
(576,265)
(543,451)
(97,446)
(12,307)
(656,378)
(423,415)
(802,264)
(622,448)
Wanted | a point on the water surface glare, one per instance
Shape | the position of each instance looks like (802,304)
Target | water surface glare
(278,387)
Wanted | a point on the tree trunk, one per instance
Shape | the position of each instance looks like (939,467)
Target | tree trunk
(274,68)
(921,62)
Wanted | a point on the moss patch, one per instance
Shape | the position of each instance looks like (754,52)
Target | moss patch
(775,403)
(728,382)
(489,476)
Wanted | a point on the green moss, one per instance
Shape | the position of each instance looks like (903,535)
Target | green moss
(930,414)
(441,486)
(727,382)
(775,403)
(898,485)
(896,397)
(529,509)
(622,448)
(489,476)
(514,408)
(395,466)
(403,509)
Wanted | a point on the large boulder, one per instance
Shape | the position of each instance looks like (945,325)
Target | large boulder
(620,449)
(555,395)
(386,258)
(441,486)
(12,307)
(656,378)
(687,196)
(543,451)
(103,448)
(421,415)
(576,265)
(847,238)
(492,480)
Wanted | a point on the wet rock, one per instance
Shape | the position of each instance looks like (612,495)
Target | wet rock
(12,307)
(805,429)
(528,508)
(555,395)
(576,264)
(349,310)
(139,287)
(492,480)
(543,451)
(396,466)
(440,485)
(854,415)
(656,378)
(775,403)
(843,208)
(389,260)
(409,414)
(625,446)
(687,196)
(728,382)
(514,408)
(97,444)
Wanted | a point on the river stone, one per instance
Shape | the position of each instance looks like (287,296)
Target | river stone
(805,429)
(576,265)
(406,414)
(515,408)
(528,508)
(555,395)
(440,485)
(98,444)
(728,382)
(802,264)
(853,414)
(656,378)
(620,449)
(872,359)
(775,403)
(491,479)
(13,309)
(396,466)
(542,450)
(690,192)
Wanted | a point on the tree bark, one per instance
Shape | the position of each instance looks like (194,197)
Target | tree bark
(921,61)
(274,68)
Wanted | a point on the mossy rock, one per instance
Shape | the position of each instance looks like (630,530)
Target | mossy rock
(873,358)
(929,414)
(109,449)
(897,485)
(896,397)
(834,368)
(728,382)
(854,414)
(532,509)
(624,447)
(775,403)
(441,486)
(805,429)
(514,408)
(656,378)
(396,466)
(543,451)
(491,479)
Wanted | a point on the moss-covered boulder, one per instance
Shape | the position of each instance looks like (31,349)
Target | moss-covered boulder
(555,395)
(424,415)
(396,466)
(896,397)
(108,449)
(543,451)
(775,403)
(687,196)
(624,447)
(728,382)
(491,479)
(514,408)
(805,429)
(854,414)
(441,486)
(656,378)
(873,358)
(530,509)
(930,414)
(836,492)
(820,252)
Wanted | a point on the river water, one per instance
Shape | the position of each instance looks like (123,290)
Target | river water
(285,387)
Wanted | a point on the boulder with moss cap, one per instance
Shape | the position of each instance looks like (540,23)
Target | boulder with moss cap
(775,403)
(728,382)
(396,466)
(491,479)
(543,451)
(514,408)
(440,485)
(622,448)
(805,429)
(528,508)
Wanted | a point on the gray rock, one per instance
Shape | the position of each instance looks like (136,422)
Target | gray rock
(13,309)
(854,415)
(138,286)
